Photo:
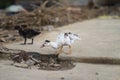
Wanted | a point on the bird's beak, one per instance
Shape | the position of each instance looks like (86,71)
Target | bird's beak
(42,46)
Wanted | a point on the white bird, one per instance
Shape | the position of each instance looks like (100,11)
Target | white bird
(63,39)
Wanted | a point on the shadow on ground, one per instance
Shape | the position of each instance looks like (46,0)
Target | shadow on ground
(50,62)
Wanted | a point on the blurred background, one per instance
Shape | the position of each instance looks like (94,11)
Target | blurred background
(44,15)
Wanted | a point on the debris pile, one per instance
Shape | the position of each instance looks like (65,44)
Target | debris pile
(53,17)
(42,17)
(41,61)
(34,59)
(8,36)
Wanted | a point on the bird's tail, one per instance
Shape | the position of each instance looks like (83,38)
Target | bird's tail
(37,33)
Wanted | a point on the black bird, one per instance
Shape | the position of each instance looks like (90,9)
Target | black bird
(27,33)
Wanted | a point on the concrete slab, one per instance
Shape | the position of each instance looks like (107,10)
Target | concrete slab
(81,71)
(100,39)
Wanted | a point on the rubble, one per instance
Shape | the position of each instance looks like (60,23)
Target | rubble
(7,36)
(40,61)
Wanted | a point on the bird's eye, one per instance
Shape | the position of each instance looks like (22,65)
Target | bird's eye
(69,33)
(66,34)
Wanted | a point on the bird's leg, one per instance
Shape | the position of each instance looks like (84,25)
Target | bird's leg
(70,50)
(59,50)
(25,40)
(32,41)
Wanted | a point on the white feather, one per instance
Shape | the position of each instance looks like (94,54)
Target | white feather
(63,40)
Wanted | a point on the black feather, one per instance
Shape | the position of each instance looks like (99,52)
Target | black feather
(27,33)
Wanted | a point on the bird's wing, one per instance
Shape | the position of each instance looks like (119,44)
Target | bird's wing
(74,37)
(60,37)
